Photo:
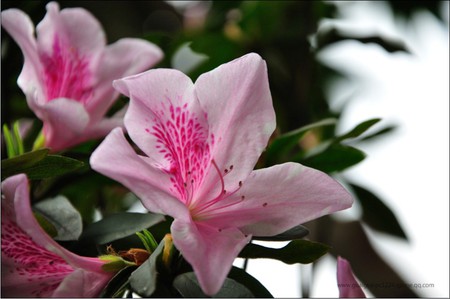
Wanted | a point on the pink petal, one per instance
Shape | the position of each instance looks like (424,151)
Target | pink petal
(167,123)
(347,284)
(65,123)
(16,191)
(75,26)
(21,29)
(210,252)
(237,100)
(274,199)
(152,96)
(82,284)
(125,57)
(116,159)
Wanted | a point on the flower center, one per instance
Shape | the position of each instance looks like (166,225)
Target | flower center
(40,267)
(66,73)
(200,210)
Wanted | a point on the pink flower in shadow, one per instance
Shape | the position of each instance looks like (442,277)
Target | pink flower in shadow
(201,143)
(68,71)
(347,284)
(33,264)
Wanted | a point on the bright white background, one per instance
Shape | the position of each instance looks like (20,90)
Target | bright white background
(409,169)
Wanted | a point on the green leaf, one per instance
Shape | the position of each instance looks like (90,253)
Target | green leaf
(52,165)
(118,283)
(297,251)
(18,138)
(358,130)
(148,240)
(296,232)
(119,225)
(378,133)
(46,225)
(336,157)
(10,148)
(144,279)
(251,283)
(188,286)
(63,216)
(114,263)
(333,35)
(20,164)
(377,214)
(281,146)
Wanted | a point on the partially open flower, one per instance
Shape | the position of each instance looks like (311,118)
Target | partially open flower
(33,264)
(68,71)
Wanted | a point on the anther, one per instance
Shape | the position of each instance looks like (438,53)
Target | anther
(226,170)
(265,204)
(224,191)
(231,167)
(240,183)
(242,197)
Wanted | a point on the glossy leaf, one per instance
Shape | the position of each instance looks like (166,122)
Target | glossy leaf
(251,283)
(188,286)
(119,225)
(118,283)
(286,142)
(20,164)
(297,251)
(63,216)
(52,165)
(377,214)
(144,279)
(334,158)
(296,232)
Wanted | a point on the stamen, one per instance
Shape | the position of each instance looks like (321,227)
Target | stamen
(220,175)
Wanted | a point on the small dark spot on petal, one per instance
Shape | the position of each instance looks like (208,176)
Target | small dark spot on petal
(265,204)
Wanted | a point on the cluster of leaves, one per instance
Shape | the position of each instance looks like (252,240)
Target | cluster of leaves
(65,185)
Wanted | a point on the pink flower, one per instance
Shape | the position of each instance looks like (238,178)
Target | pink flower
(33,264)
(201,142)
(68,71)
(347,284)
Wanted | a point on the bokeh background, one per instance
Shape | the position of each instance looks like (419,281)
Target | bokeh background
(352,61)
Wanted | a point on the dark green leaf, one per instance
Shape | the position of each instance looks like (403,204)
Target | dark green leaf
(284,143)
(52,165)
(188,286)
(297,251)
(64,217)
(117,283)
(251,283)
(358,130)
(144,279)
(296,232)
(378,133)
(119,225)
(20,163)
(336,157)
(46,225)
(334,35)
(376,214)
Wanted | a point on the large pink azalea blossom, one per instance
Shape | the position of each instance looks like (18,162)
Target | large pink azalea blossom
(33,264)
(68,71)
(347,284)
(201,142)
